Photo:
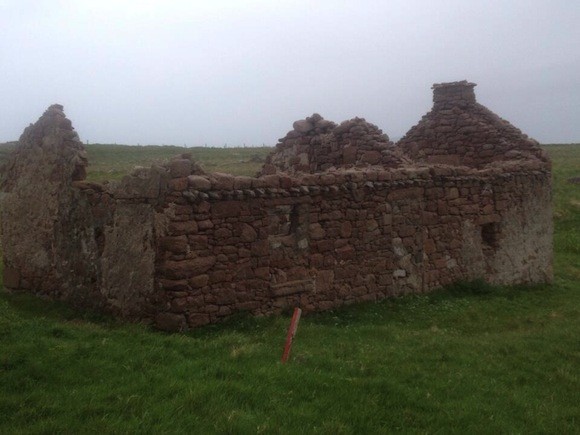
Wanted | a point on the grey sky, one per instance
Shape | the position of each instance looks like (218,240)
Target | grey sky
(235,72)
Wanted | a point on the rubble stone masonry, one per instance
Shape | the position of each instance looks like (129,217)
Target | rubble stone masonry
(339,214)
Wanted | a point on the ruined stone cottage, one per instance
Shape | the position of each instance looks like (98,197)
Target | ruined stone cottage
(338,214)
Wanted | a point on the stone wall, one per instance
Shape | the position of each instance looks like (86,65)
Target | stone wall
(338,214)
(316,144)
(322,240)
(459,131)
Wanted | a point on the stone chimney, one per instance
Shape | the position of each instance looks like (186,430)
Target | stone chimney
(446,95)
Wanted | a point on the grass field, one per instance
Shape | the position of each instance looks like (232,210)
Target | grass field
(112,162)
(466,359)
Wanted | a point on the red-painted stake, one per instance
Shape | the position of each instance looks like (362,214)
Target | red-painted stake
(291,333)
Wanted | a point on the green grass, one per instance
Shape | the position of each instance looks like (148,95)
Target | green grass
(471,358)
(111,162)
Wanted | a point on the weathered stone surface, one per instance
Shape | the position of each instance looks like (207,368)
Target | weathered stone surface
(461,132)
(178,228)
(226,209)
(178,184)
(198,182)
(177,245)
(341,216)
(11,278)
(188,268)
(47,234)
(180,167)
(316,145)
(142,183)
(246,233)
(128,259)
(222,181)
(303,126)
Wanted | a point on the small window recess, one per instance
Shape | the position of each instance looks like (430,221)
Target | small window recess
(490,235)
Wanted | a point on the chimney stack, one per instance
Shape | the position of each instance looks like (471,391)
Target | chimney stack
(452,94)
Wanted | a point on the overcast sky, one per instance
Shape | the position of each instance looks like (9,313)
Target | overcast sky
(240,72)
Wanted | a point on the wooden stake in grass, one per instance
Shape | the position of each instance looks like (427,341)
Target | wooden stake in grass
(291,333)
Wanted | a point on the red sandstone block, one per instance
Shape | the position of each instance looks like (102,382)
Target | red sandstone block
(486,219)
(222,233)
(371,157)
(260,248)
(178,184)
(349,154)
(225,209)
(501,205)
(316,260)
(339,243)
(177,245)
(242,182)
(488,209)
(225,296)
(205,224)
(286,182)
(385,279)
(431,276)
(222,181)
(346,229)
(405,193)
(455,243)
(179,228)
(175,197)
(246,232)
(178,305)
(323,245)
(199,281)
(384,176)
(221,258)
(329,260)
(262,273)
(188,268)
(469,209)
(197,242)
(452,193)
(406,230)
(440,263)
(442,208)
(173,285)
(316,232)
(197,182)
(324,280)
(271,180)
(181,210)
(429,246)
(345,252)
(355,176)
(327,179)
(201,207)
(428,218)
(431,207)
(180,168)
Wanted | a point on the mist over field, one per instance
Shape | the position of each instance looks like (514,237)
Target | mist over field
(235,73)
